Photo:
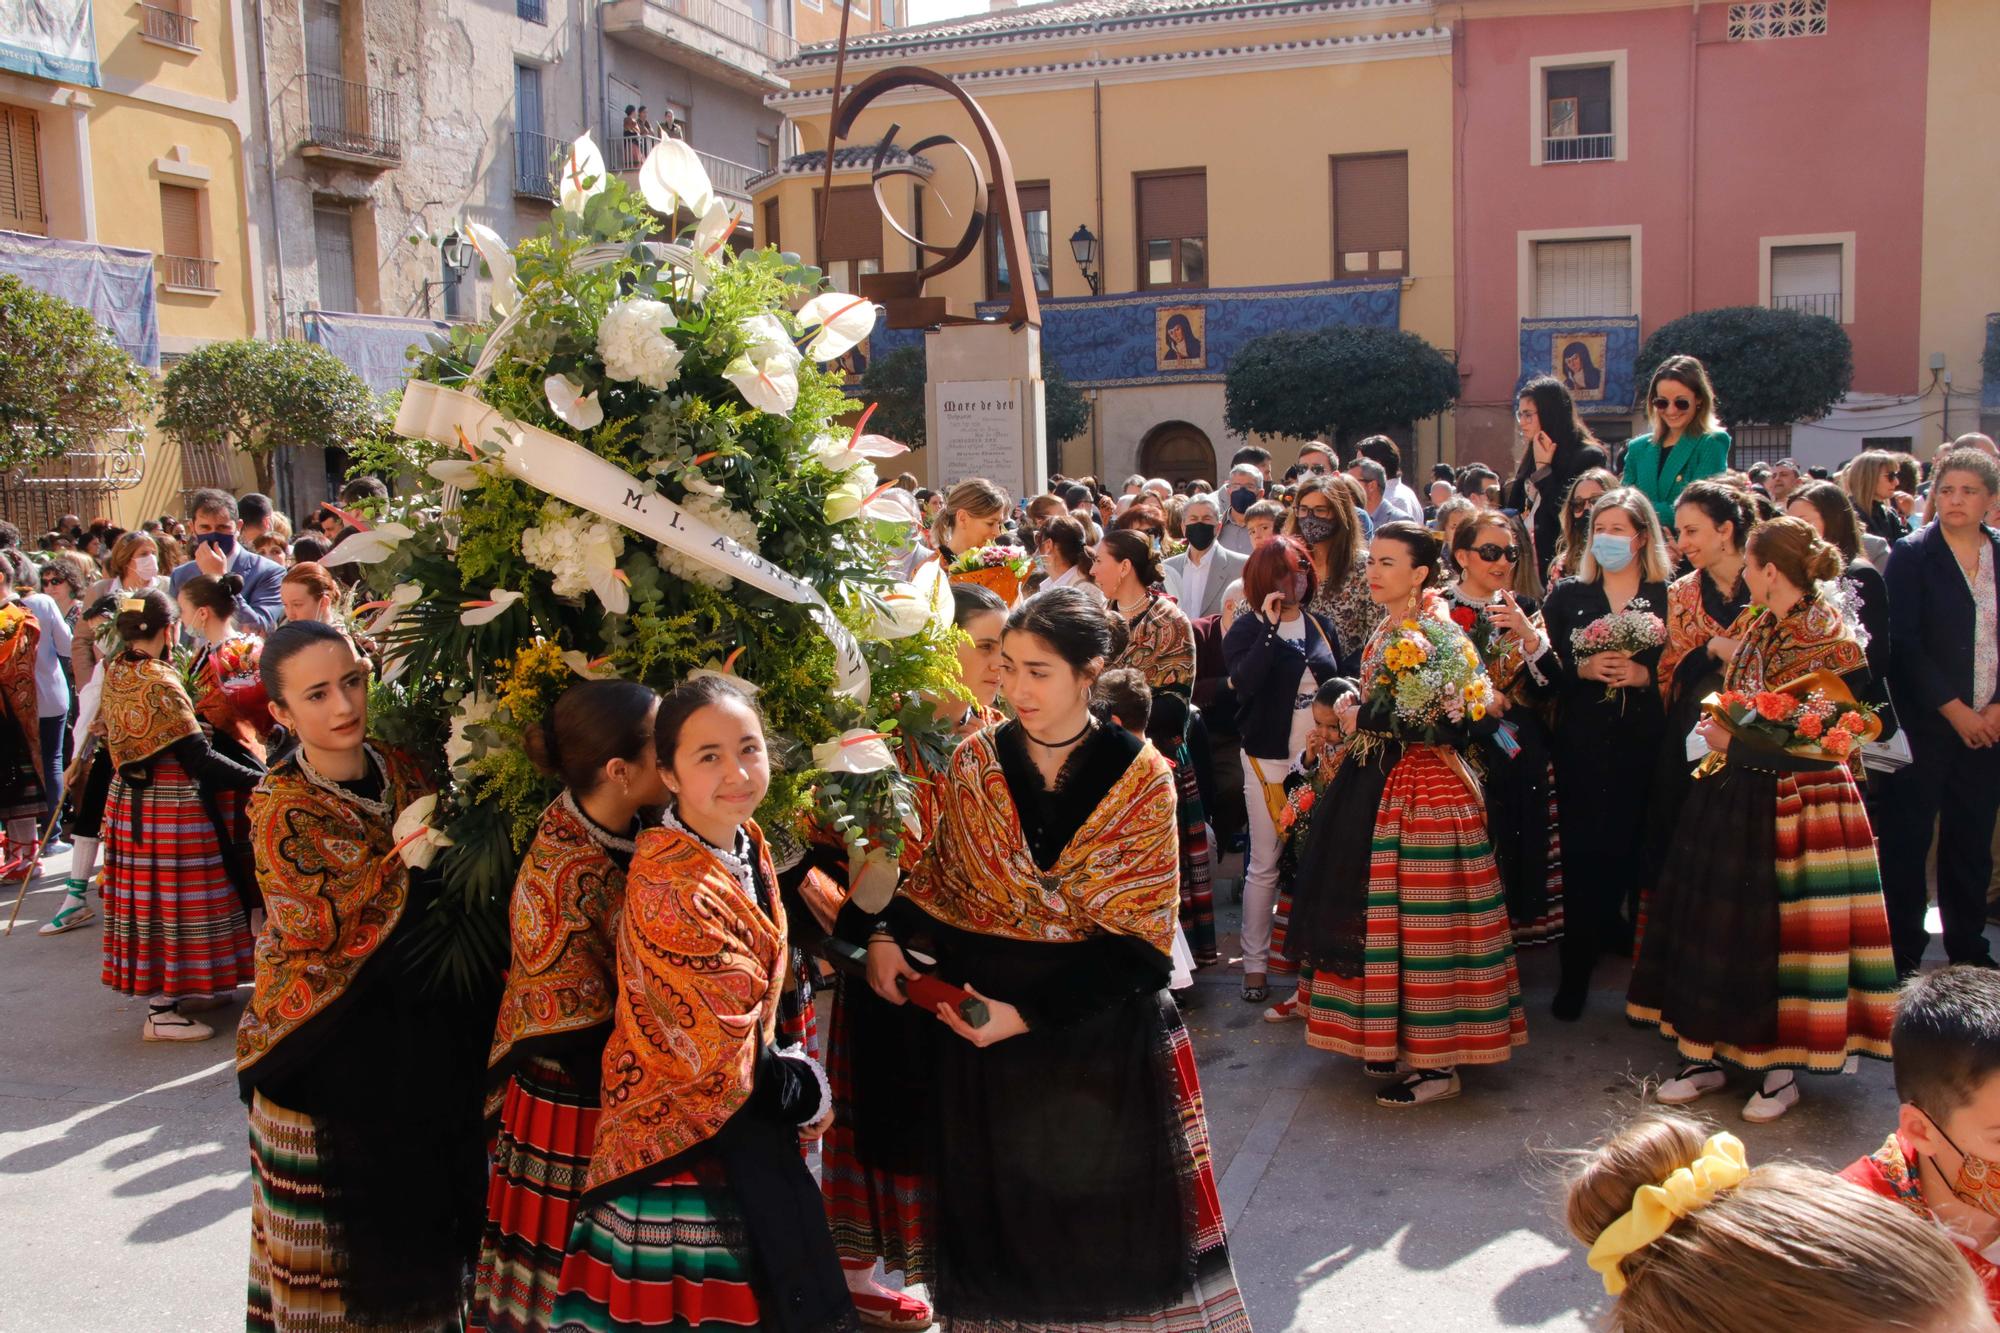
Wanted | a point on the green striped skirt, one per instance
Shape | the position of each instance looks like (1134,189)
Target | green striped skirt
(673,1255)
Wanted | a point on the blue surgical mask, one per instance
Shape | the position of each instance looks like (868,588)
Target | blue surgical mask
(1612,553)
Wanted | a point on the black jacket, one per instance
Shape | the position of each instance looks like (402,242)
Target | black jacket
(1931,628)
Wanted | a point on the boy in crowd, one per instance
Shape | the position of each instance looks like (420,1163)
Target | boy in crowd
(1943,1161)
(1263,519)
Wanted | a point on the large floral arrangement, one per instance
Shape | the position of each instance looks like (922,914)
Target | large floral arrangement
(1633,630)
(1815,717)
(1431,683)
(697,373)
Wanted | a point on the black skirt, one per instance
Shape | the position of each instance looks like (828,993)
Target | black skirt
(1517,816)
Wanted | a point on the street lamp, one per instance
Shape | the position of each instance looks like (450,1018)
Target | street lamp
(1084,247)
(456,252)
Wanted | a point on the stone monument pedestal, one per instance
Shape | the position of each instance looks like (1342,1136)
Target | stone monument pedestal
(983,407)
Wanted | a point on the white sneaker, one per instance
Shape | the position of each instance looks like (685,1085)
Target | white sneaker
(1694,1082)
(172,1025)
(1765,1106)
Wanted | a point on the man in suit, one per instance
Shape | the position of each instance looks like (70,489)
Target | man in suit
(217,551)
(1196,578)
(1944,630)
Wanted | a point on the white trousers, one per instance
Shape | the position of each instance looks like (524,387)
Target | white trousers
(1260,864)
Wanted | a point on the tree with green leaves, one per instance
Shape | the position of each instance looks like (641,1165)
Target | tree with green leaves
(1769,367)
(1344,381)
(64,383)
(264,398)
(894,382)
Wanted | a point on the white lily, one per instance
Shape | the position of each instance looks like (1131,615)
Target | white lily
(672,178)
(600,669)
(842,321)
(767,373)
(583,174)
(489,609)
(568,401)
(925,599)
(400,599)
(463,473)
(856,750)
(600,550)
(368,548)
(499,259)
(418,842)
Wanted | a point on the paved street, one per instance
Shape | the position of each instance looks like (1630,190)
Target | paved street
(124,1195)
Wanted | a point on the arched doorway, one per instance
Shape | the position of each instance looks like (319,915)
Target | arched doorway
(1177,452)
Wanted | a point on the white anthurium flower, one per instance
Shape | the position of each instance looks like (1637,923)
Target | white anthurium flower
(856,750)
(672,178)
(368,548)
(487,610)
(767,373)
(709,248)
(840,455)
(474,710)
(463,473)
(842,321)
(600,669)
(852,498)
(499,259)
(568,401)
(767,337)
(725,670)
(418,842)
(913,605)
(583,174)
(600,548)
(400,599)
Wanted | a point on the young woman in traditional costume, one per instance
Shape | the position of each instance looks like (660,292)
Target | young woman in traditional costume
(175,925)
(228,695)
(367,1165)
(555,1015)
(698,1209)
(1068,1146)
(1767,945)
(1400,912)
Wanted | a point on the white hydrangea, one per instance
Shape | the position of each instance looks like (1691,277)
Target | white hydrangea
(631,340)
(565,543)
(714,511)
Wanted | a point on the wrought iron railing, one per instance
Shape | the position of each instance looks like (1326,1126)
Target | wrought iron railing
(1758,444)
(187,271)
(1817,303)
(731,22)
(537,164)
(169,25)
(1580,148)
(78,481)
(628,153)
(353,117)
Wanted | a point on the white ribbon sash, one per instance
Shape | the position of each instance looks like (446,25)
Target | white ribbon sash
(572,473)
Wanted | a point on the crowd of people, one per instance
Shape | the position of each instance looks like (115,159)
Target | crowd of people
(1627,701)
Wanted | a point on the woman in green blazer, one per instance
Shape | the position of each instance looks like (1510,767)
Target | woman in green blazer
(1687,443)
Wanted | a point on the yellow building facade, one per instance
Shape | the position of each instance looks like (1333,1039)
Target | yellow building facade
(150,161)
(1252,168)
(1960,311)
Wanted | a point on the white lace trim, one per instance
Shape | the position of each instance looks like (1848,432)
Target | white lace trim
(379,809)
(733,862)
(597,833)
(819,1076)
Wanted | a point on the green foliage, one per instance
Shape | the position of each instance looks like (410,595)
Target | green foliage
(1769,367)
(64,384)
(1347,377)
(894,382)
(264,398)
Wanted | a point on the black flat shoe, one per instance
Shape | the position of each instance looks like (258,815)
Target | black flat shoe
(1568,1004)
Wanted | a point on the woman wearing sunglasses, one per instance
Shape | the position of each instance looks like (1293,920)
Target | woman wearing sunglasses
(1687,441)
(1496,583)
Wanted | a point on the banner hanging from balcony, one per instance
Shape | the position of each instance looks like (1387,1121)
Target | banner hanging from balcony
(114,285)
(375,347)
(1164,337)
(1591,354)
(49,39)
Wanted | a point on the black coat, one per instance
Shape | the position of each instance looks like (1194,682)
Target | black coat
(1931,628)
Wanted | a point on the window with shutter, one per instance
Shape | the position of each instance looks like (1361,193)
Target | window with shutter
(1371,215)
(1578,112)
(770,236)
(21,207)
(180,221)
(1173,229)
(333,247)
(1808,278)
(1586,277)
(1034,201)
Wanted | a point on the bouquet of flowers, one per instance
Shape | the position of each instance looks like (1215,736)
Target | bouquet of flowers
(1815,717)
(1633,630)
(230,677)
(1003,569)
(1432,682)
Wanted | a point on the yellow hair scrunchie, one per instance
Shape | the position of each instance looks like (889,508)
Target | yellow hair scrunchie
(132,604)
(1720,1166)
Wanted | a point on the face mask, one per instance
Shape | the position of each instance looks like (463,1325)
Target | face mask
(1201,536)
(145,568)
(1977,1181)
(1241,498)
(1612,553)
(224,542)
(1314,528)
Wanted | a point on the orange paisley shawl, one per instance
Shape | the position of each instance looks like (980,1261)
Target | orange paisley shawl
(20,635)
(334,889)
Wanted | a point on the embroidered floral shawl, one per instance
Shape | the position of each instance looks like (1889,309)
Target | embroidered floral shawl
(1689,627)
(145,708)
(700,969)
(564,920)
(334,889)
(1161,646)
(1119,874)
(20,635)
(1812,636)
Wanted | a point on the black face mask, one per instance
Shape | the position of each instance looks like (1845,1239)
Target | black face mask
(224,542)
(1200,536)
(1241,498)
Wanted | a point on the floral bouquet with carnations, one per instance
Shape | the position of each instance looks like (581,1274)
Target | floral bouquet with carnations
(1815,717)
(1002,569)
(1633,630)
(1432,682)
(228,691)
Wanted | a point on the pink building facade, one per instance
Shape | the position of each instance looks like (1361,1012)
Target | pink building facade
(1619,169)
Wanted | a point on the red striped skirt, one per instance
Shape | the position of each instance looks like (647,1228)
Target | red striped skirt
(173,922)
(873,1212)
(547,1125)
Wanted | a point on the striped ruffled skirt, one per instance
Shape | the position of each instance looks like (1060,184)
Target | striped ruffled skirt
(671,1255)
(547,1125)
(173,923)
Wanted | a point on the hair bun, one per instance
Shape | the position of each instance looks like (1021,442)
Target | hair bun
(1823,561)
(232,584)
(1644,1153)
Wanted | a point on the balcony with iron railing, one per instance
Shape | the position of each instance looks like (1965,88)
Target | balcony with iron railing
(350,122)
(186,273)
(1816,303)
(711,37)
(1580,148)
(168,27)
(538,165)
(625,154)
